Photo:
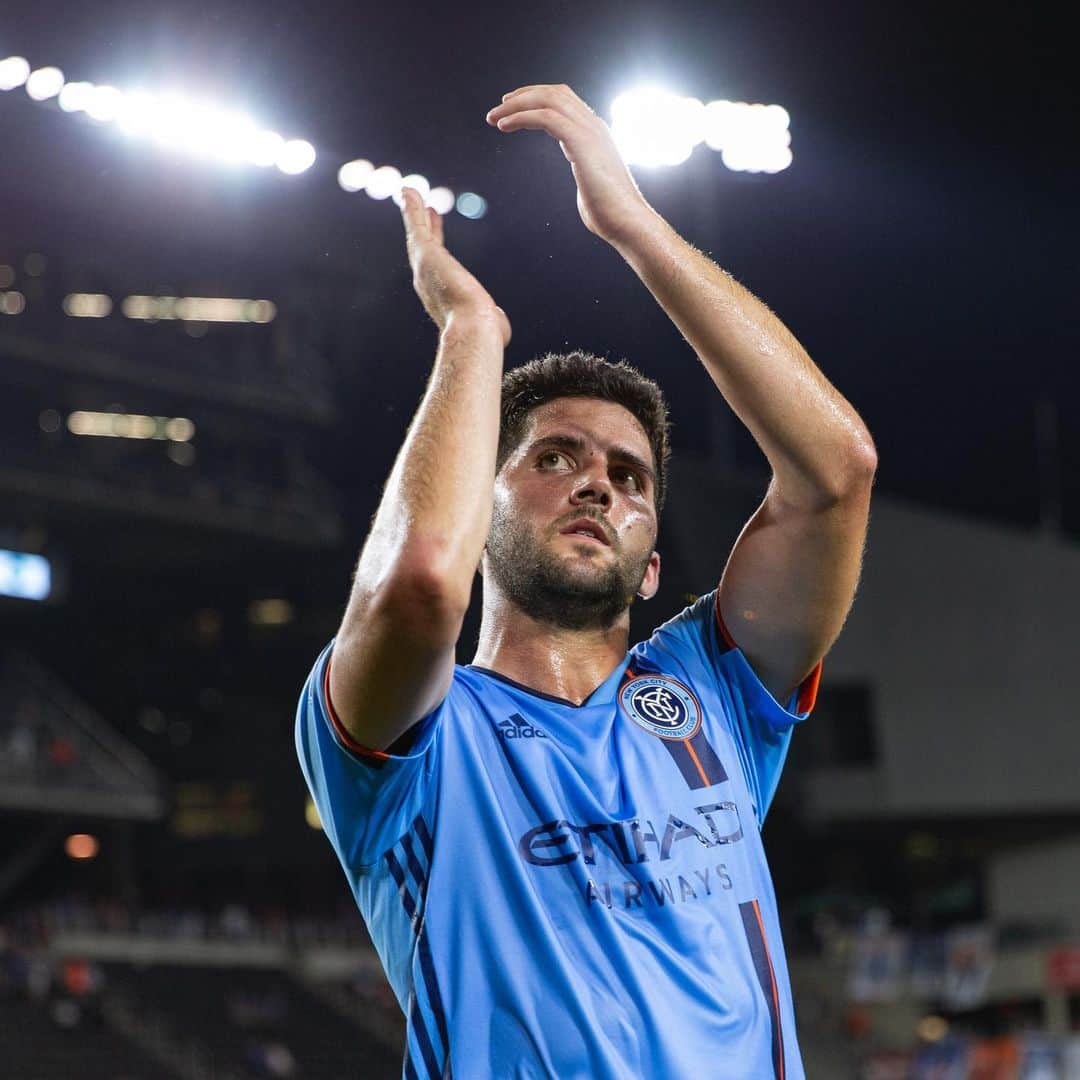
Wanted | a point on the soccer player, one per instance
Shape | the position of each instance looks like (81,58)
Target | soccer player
(557,847)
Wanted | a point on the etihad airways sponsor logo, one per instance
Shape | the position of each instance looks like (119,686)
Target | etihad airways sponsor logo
(635,840)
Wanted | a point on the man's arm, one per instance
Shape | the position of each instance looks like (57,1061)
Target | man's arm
(791,576)
(393,657)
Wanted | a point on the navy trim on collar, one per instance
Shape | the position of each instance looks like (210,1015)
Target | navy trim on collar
(530,690)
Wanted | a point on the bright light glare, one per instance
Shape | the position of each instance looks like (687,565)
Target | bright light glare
(87,305)
(441,200)
(24,575)
(104,104)
(75,96)
(471,205)
(271,612)
(383,182)
(750,138)
(81,846)
(353,175)
(12,303)
(416,181)
(44,83)
(296,156)
(131,426)
(137,113)
(263,147)
(14,71)
(654,127)
(179,429)
(203,309)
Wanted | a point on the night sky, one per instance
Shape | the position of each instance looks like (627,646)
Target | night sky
(921,245)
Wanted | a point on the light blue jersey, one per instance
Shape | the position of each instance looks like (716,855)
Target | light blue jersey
(570,891)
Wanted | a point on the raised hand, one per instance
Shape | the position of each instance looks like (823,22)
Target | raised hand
(444,286)
(608,199)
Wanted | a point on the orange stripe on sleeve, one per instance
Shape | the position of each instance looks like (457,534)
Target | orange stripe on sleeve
(339,727)
(720,623)
(808,688)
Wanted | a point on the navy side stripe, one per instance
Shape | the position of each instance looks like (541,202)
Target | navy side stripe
(416,1023)
(425,837)
(407,869)
(759,950)
(414,867)
(403,888)
(431,985)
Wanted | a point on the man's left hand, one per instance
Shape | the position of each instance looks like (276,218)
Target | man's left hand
(608,200)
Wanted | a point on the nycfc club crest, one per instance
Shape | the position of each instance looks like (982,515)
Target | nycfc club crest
(662,706)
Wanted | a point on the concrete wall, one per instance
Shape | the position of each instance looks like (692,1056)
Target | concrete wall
(969,634)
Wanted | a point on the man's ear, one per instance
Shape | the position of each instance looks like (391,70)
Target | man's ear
(651,581)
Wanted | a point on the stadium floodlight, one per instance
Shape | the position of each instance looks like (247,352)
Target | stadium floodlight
(750,138)
(417,183)
(383,182)
(87,305)
(170,119)
(262,148)
(14,71)
(471,205)
(131,426)
(104,103)
(75,96)
(24,575)
(204,309)
(296,156)
(441,200)
(44,83)
(12,303)
(207,131)
(654,127)
(353,175)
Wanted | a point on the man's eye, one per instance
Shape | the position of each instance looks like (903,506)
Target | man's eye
(551,459)
(629,479)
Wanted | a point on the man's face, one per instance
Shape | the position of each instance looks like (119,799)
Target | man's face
(574,521)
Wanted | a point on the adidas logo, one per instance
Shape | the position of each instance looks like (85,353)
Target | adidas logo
(517,727)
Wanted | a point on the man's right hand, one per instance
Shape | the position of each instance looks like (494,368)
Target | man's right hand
(444,286)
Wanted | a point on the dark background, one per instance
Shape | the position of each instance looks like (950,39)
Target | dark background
(921,246)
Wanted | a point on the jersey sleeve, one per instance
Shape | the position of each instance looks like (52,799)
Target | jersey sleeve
(697,644)
(366,799)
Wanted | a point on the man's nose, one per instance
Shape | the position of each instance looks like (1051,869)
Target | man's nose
(594,488)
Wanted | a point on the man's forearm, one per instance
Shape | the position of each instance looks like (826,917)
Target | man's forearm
(435,511)
(813,438)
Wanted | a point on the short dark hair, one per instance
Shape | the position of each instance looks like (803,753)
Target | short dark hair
(581,374)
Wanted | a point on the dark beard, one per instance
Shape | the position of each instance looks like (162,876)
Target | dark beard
(539,583)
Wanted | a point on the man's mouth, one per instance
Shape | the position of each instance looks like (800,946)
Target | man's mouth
(587,529)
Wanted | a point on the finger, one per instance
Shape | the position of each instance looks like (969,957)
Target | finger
(537,97)
(436,224)
(552,121)
(414,213)
(562,87)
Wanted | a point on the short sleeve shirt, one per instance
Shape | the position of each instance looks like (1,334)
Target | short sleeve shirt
(575,891)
